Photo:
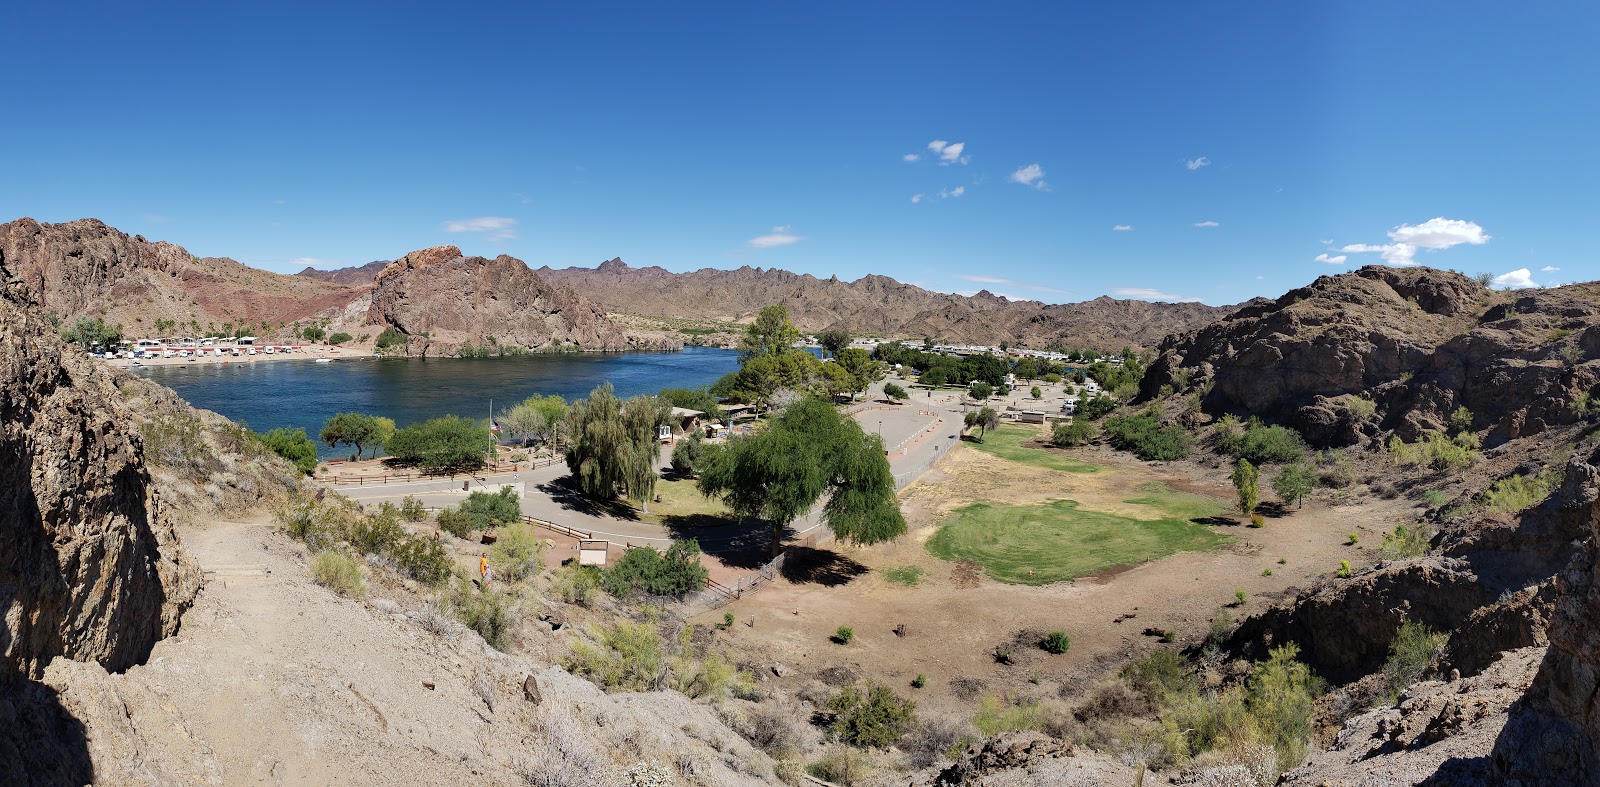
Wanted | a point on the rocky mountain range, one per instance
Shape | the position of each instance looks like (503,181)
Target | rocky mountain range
(879,306)
(438,300)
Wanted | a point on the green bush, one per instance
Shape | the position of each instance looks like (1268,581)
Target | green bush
(422,559)
(1344,571)
(1414,647)
(1078,431)
(1436,451)
(313,333)
(1406,542)
(1146,438)
(339,573)
(894,391)
(309,520)
(438,444)
(576,584)
(691,456)
(844,635)
(1262,444)
(376,534)
(389,338)
(645,570)
(629,657)
(877,718)
(412,509)
(844,767)
(1097,406)
(1518,493)
(491,613)
(1282,694)
(995,717)
(482,510)
(293,445)
(919,681)
(517,553)
(1056,642)
(340,338)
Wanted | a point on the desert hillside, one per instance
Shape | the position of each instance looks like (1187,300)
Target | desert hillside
(879,306)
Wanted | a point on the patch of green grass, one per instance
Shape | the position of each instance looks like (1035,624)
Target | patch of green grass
(1173,504)
(680,500)
(910,576)
(1006,442)
(1059,541)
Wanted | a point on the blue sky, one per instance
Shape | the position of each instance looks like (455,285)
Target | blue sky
(1235,142)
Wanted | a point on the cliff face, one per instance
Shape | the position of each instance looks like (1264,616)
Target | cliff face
(444,301)
(880,306)
(1418,342)
(85,268)
(92,568)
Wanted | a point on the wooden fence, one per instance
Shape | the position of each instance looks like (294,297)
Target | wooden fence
(395,478)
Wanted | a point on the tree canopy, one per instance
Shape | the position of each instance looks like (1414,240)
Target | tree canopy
(446,443)
(614,446)
(809,451)
(354,429)
(538,418)
(293,445)
(833,340)
(770,334)
(92,333)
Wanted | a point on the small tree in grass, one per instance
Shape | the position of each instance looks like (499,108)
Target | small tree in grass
(1247,482)
(1294,482)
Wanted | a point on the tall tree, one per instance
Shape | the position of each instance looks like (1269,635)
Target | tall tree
(833,340)
(614,448)
(770,334)
(1247,482)
(862,368)
(1294,482)
(354,429)
(810,450)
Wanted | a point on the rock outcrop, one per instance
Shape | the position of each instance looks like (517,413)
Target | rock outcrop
(86,269)
(444,301)
(880,306)
(350,277)
(1417,342)
(92,568)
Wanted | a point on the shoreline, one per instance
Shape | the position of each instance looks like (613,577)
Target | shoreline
(300,354)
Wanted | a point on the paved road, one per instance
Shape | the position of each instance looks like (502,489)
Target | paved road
(915,435)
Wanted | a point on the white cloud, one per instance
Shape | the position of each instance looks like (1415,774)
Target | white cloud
(1549,269)
(1031,175)
(915,198)
(1196,163)
(780,236)
(909,157)
(1122,228)
(1328,242)
(498,227)
(1207,224)
(1519,279)
(1433,235)
(949,152)
(955,192)
(1338,260)
(312,262)
(1143,294)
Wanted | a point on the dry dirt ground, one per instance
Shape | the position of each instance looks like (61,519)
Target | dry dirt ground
(955,618)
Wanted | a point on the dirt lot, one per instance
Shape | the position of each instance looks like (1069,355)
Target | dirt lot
(955,618)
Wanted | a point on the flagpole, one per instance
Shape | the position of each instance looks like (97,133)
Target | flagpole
(488,453)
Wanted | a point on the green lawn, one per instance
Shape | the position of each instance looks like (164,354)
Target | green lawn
(680,500)
(1006,442)
(1060,541)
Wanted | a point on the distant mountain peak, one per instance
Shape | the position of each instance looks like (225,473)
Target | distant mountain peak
(613,265)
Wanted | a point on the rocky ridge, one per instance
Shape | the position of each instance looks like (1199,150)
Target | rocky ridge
(350,277)
(880,306)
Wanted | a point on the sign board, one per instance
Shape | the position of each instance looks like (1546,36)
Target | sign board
(593,553)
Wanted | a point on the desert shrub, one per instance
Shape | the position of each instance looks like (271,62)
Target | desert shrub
(934,739)
(996,716)
(777,728)
(576,584)
(1282,693)
(1360,408)
(844,635)
(315,522)
(1078,431)
(1435,498)
(563,752)
(875,719)
(483,510)
(628,657)
(1352,538)
(1056,642)
(1338,472)
(1406,542)
(710,677)
(339,573)
(177,440)
(842,766)
(375,534)
(1414,647)
(1436,451)
(1145,437)
(294,446)
(1158,674)
(919,681)
(1262,444)
(1240,597)
(422,559)
(1344,571)
(1520,492)
(517,553)
(412,509)
(645,570)
(389,338)
(491,613)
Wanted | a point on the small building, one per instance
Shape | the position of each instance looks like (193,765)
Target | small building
(1030,417)
(683,423)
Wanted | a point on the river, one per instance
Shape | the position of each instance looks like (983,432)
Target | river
(302,393)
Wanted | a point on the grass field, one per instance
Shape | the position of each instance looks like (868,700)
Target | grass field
(1006,442)
(1059,541)
(681,500)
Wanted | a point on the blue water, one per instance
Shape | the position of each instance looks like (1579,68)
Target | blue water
(267,395)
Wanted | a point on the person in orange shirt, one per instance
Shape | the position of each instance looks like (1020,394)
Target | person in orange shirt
(483,568)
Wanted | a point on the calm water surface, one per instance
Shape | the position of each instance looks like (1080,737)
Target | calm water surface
(301,393)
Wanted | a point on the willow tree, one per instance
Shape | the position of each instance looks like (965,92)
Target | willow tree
(613,449)
(810,450)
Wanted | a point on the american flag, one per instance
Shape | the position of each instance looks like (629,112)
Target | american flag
(494,425)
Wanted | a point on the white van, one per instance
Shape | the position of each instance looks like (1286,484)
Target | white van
(237,352)
(251,351)
(269,350)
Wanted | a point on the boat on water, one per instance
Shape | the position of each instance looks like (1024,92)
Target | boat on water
(324,360)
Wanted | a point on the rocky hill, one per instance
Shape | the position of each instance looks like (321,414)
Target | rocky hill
(86,269)
(349,277)
(879,306)
(1416,344)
